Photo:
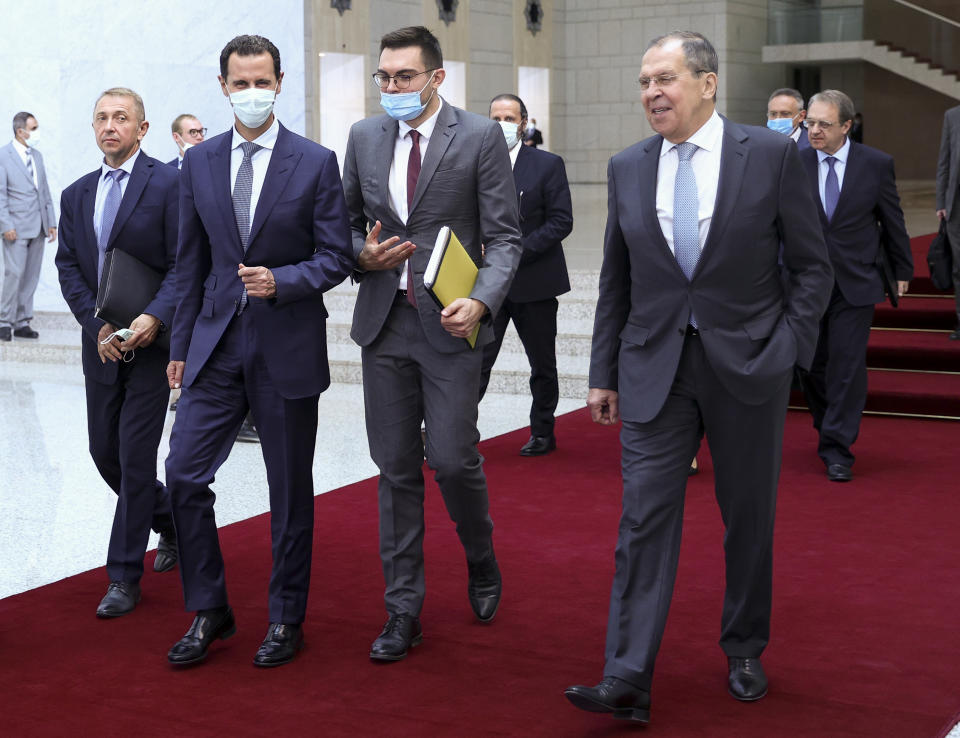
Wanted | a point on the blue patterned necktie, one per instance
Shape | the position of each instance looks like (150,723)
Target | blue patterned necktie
(242,190)
(111,204)
(686,221)
(831,189)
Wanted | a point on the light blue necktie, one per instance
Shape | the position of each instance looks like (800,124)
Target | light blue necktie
(111,204)
(831,189)
(242,191)
(686,206)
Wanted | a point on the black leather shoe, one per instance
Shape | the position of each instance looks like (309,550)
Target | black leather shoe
(625,701)
(280,646)
(120,599)
(484,587)
(207,626)
(401,633)
(248,433)
(5,334)
(166,552)
(839,473)
(26,332)
(747,680)
(539,445)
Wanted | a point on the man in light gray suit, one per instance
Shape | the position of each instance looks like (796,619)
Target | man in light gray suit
(694,335)
(424,165)
(948,174)
(26,218)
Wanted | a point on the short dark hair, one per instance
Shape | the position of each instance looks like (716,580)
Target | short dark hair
(249,46)
(697,50)
(415,36)
(514,98)
(787,92)
(20,121)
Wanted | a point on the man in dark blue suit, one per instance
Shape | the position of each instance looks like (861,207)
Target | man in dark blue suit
(263,233)
(546,218)
(187,131)
(129,203)
(862,224)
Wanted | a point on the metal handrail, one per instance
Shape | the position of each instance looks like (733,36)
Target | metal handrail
(926,11)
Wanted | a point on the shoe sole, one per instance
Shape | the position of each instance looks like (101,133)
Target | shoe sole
(636,714)
(399,657)
(223,636)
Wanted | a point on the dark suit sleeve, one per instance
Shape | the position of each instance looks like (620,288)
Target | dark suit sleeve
(558,221)
(332,257)
(804,256)
(613,304)
(193,265)
(943,162)
(164,303)
(353,194)
(893,239)
(81,299)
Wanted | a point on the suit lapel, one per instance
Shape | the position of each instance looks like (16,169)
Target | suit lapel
(443,133)
(733,162)
(283,161)
(811,164)
(142,169)
(15,157)
(383,156)
(851,173)
(219,161)
(646,178)
(87,203)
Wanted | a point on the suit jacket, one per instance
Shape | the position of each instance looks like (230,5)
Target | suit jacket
(948,163)
(299,231)
(752,332)
(803,142)
(546,218)
(868,218)
(175,163)
(26,208)
(145,227)
(465,183)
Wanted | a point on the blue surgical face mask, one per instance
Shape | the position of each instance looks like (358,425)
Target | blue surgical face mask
(405,105)
(781,125)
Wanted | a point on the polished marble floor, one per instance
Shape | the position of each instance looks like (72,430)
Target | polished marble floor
(56,511)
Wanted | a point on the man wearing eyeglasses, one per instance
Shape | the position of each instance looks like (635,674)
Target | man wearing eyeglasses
(424,165)
(785,114)
(694,335)
(187,132)
(863,226)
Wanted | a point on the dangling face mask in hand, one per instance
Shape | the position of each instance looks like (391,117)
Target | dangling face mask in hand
(253,105)
(405,105)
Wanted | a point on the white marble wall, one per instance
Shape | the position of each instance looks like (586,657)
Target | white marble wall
(58,55)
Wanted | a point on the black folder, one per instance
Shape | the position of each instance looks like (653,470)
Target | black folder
(127,286)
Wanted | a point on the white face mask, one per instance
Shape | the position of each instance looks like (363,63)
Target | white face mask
(34,139)
(183,144)
(511,132)
(253,105)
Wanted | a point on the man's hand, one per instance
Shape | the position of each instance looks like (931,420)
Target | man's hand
(51,234)
(10,235)
(461,316)
(145,329)
(175,374)
(604,406)
(942,214)
(259,281)
(902,287)
(108,350)
(377,256)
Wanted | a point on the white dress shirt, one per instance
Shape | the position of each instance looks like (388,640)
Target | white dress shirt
(22,150)
(260,161)
(839,166)
(127,166)
(706,168)
(397,185)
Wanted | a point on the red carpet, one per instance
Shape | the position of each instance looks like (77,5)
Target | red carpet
(865,636)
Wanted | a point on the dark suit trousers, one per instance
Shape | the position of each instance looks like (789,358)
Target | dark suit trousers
(406,381)
(124,424)
(836,385)
(953,235)
(209,414)
(746,445)
(536,324)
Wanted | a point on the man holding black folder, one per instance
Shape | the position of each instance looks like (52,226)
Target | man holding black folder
(130,204)
(425,165)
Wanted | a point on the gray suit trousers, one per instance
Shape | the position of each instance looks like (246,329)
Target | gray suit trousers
(406,381)
(23,258)
(746,446)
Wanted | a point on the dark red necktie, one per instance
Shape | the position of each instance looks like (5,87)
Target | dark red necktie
(413,173)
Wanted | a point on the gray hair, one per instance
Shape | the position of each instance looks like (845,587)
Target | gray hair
(697,50)
(787,92)
(125,92)
(20,121)
(840,100)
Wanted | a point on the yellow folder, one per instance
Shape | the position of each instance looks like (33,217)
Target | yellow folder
(450,273)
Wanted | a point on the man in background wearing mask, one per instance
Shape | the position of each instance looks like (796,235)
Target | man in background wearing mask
(785,113)
(26,217)
(187,132)
(546,218)
(424,165)
(249,335)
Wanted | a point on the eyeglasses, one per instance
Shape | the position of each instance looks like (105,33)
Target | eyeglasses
(665,80)
(196,132)
(825,125)
(402,81)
